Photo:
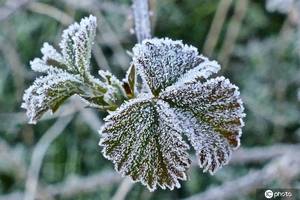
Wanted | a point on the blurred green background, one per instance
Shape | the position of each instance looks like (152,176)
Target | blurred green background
(258,48)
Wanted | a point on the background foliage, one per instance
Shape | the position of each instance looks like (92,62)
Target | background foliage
(264,63)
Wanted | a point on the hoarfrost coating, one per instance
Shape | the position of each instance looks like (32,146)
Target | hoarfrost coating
(174,98)
(143,138)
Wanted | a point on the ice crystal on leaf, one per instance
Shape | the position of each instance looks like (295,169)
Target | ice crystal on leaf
(163,62)
(144,141)
(143,138)
(67,73)
(172,97)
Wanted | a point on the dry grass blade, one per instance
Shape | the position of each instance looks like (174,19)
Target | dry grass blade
(39,152)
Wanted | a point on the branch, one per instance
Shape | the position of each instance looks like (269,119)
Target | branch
(141,19)
(50,11)
(288,166)
(216,27)
(39,153)
(123,189)
(107,6)
(76,185)
(233,31)
(73,186)
(10,7)
(262,154)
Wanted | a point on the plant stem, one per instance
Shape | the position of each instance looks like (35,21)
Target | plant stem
(141,19)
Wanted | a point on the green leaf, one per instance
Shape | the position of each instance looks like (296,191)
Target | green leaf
(68,73)
(211,113)
(77,44)
(48,93)
(129,82)
(163,62)
(143,140)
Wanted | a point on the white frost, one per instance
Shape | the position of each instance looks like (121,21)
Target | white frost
(162,62)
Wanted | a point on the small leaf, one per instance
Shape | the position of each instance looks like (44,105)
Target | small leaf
(76,44)
(51,60)
(211,113)
(48,93)
(143,140)
(161,62)
(129,83)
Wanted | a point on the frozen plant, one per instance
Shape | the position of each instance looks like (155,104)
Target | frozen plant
(143,133)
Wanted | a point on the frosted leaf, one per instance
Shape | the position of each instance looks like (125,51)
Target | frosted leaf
(213,149)
(143,140)
(68,73)
(48,92)
(77,42)
(211,113)
(162,62)
(115,92)
(129,82)
(51,60)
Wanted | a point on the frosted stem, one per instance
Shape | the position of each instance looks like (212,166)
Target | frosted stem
(141,19)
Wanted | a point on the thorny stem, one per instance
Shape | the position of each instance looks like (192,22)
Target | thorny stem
(141,19)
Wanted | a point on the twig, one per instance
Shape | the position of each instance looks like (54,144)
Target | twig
(100,58)
(216,27)
(38,154)
(108,6)
(262,154)
(10,7)
(12,57)
(73,186)
(141,19)
(109,37)
(288,166)
(50,11)
(91,119)
(123,189)
(78,185)
(233,31)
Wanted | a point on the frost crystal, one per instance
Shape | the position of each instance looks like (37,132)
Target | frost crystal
(143,138)
(152,150)
(48,92)
(211,112)
(161,62)
(68,74)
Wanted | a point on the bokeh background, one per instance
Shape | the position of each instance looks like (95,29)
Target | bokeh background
(256,41)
